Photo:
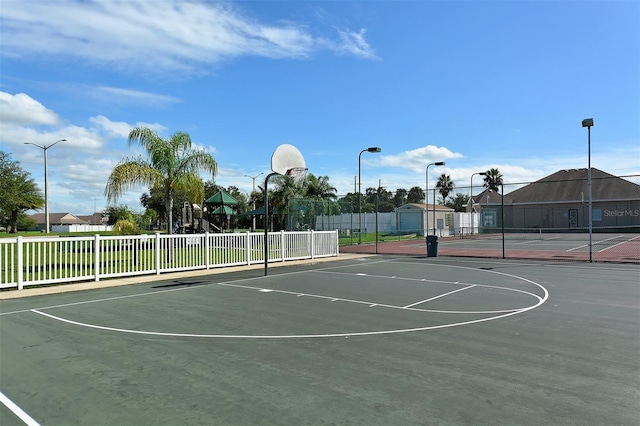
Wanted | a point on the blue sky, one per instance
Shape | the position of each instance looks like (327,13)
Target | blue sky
(477,84)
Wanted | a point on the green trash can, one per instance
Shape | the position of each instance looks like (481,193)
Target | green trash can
(432,246)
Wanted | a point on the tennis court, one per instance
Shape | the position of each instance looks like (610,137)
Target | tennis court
(360,340)
(605,247)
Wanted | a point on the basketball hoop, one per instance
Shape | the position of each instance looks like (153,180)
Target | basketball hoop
(298,174)
(285,161)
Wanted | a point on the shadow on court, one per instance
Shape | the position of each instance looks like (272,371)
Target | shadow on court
(378,340)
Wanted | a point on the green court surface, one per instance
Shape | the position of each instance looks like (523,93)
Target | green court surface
(378,340)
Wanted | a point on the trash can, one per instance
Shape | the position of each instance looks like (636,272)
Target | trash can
(432,246)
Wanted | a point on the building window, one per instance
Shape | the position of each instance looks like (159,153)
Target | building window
(489,218)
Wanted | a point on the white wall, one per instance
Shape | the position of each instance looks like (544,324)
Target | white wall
(466,223)
(80,228)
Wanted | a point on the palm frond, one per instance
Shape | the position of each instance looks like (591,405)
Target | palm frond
(128,174)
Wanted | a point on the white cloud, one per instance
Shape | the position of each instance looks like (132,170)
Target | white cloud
(21,109)
(114,129)
(354,43)
(152,36)
(128,96)
(415,160)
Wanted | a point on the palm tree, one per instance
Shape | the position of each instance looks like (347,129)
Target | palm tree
(493,179)
(172,164)
(319,187)
(286,188)
(445,186)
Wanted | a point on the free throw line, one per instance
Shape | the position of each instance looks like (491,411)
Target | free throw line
(437,297)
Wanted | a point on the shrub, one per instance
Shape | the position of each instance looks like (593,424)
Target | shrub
(125,227)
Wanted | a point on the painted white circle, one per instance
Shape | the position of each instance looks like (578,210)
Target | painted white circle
(498,315)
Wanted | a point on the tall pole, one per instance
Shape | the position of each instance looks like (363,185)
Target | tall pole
(371,149)
(471,197)
(426,194)
(377,208)
(44,148)
(502,215)
(434,210)
(254,200)
(590,199)
(266,223)
(588,122)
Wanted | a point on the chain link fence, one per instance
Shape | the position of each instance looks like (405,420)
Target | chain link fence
(549,216)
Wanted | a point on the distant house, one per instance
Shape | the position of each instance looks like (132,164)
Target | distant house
(416,217)
(56,219)
(67,222)
(561,200)
(98,218)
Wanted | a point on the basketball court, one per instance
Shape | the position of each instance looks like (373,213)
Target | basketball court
(365,340)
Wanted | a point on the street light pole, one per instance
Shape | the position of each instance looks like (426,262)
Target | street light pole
(370,149)
(426,195)
(471,197)
(254,200)
(44,148)
(588,122)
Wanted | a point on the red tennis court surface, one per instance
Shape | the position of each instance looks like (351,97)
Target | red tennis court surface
(605,248)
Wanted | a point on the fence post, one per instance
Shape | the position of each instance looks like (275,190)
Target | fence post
(157,253)
(313,244)
(96,256)
(248,246)
(19,251)
(282,243)
(337,251)
(207,252)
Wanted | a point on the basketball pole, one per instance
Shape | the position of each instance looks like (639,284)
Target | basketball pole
(266,223)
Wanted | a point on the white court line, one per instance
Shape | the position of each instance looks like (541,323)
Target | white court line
(595,242)
(27,419)
(188,287)
(621,242)
(438,297)
(502,314)
(393,277)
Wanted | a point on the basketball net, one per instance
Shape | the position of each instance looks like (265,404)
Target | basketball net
(298,174)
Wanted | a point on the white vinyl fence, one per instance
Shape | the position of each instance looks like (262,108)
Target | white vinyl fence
(27,261)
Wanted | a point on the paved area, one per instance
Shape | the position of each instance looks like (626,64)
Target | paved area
(386,340)
(624,249)
(92,285)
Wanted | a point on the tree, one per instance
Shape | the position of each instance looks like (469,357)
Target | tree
(285,189)
(444,186)
(415,195)
(385,200)
(117,213)
(400,199)
(148,219)
(154,200)
(125,227)
(319,188)
(493,179)
(350,199)
(172,164)
(18,192)
(458,203)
